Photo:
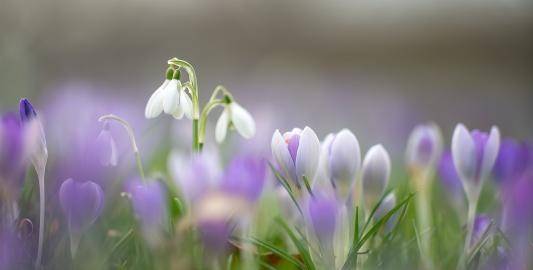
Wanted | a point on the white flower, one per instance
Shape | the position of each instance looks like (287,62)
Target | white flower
(424,146)
(297,153)
(376,172)
(170,98)
(234,114)
(474,154)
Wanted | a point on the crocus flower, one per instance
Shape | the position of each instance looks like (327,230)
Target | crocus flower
(236,116)
(387,204)
(376,172)
(107,147)
(297,153)
(149,205)
(245,176)
(170,98)
(343,160)
(514,159)
(474,154)
(450,180)
(322,209)
(82,203)
(424,147)
(481,226)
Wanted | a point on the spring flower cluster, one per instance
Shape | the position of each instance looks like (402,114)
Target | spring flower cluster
(106,200)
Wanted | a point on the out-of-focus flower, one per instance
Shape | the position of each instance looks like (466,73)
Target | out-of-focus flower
(149,204)
(82,203)
(514,159)
(195,175)
(343,161)
(323,209)
(450,180)
(474,154)
(245,176)
(376,172)
(234,115)
(424,147)
(297,153)
(481,225)
(107,147)
(170,97)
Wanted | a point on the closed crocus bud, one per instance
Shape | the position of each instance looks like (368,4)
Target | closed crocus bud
(375,175)
(82,203)
(236,116)
(150,206)
(474,154)
(29,117)
(297,153)
(424,147)
(387,204)
(107,147)
(344,161)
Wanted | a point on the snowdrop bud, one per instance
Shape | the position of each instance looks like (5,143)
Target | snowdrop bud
(424,147)
(344,161)
(238,117)
(323,211)
(474,154)
(297,153)
(107,147)
(376,172)
(29,117)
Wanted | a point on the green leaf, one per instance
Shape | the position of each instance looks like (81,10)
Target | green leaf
(281,253)
(304,251)
(285,185)
(307,185)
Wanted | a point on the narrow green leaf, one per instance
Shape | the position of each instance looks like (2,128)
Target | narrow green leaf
(285,185)
(307,185)
(229,262)
(281,253)
(304,251)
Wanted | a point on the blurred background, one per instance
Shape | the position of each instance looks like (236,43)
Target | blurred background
(376,67)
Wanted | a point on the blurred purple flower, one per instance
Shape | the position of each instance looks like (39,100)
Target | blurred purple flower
(245,176)
(514,159)
(107,147)
(323,213)
(424,146)
(150,206)
(449,178)
(481,226)
(82,203)
(215,234)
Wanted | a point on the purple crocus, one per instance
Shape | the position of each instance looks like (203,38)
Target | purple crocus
(449,178)
(245,176)
(15,147)
(323,212)
(149,205)
(514,159)
(424,147)
(481,226)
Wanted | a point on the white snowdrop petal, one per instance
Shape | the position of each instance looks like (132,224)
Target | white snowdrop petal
(154,106)
(186,104)
(242,120)
(171,96)
(222,126)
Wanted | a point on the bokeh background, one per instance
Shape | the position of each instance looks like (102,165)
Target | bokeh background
(376,67)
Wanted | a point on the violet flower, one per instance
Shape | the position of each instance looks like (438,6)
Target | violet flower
(450,180)
(481,226)
(107,147)
(424,147)
(82,204)
(514,159)
(245,176)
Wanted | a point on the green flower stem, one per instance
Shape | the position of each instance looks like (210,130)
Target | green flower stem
(203,118)
(131,135)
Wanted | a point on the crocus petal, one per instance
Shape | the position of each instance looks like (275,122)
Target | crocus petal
(281,154)
(376,172)
(490,152)
(82,203)
(308,154)
(344,160)
(154,106)
(171,96)
(242,120)
(221,128)
(464,153)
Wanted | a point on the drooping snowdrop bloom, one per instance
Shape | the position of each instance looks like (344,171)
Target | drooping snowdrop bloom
(234,115)
(375,174)
(296,153)
(474,154)
(149,204)
(424,147)
(107,147)
(343,157)
(170,98)
(82,204)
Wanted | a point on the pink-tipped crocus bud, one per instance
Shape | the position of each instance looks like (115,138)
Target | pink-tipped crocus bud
(376,172)
(296,153)
(343,161)
(424,147)
(474,154)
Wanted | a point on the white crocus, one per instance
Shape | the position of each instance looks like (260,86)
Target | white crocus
(424,147)
(297,153)
(344,161)
(376,172)
(170,98)
(234,115)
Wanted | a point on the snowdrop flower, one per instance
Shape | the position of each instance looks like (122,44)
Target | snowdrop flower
(297,153)
(236,116)
(376,172)
(474,154)
(424,147)
(108,147)
(170,98)
(343,160)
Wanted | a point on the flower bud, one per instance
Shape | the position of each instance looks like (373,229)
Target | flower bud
(376,172)
(424,147)
(344,161)
(29,117)
(107,147)
(323,213)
